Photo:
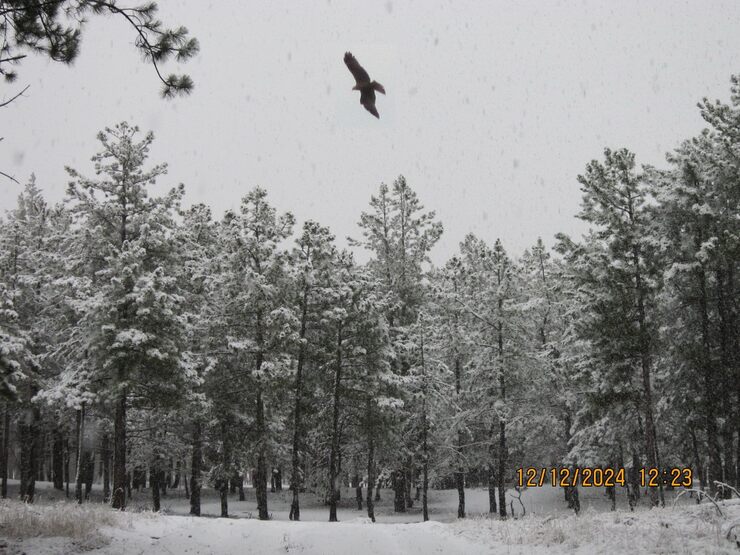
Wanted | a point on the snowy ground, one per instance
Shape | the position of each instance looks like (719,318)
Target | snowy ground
(547,528)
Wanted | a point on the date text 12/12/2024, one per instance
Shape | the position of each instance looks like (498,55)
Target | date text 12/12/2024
(602,477)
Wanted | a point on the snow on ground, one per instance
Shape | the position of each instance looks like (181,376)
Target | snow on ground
(549,527)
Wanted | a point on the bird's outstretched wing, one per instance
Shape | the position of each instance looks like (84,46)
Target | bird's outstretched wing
(367,99)
(358,72)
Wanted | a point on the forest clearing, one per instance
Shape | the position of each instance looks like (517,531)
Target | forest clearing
(549,528)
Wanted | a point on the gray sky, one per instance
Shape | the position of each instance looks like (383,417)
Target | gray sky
(493,108)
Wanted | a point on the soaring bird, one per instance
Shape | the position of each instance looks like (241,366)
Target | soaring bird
(363,84)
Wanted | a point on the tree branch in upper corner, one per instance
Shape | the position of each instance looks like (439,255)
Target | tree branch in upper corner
(16,96)
(10,177)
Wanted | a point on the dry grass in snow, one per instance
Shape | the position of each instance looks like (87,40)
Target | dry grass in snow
(682,529)
(65,527)
(67,520)
(94,528)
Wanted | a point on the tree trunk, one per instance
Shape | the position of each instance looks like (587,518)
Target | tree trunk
(492,482)
(502,470)
(459,472)
(737,448)
(502,449)
(154,485)
(370,460)
(240,487)
(425,486)
(223,491)
(574,501)
(425,438)
(728,467)
(163,482)
(57,460)
(176,480)
(89,473)
(195,478)
(408,482)
(105,457)
(261,474)
(358,491)
(138,479)
(80,467)
(460,485)
(567,422)
(5,452)
(185,480)
(699,468)
(339,468)
(119,451)
(223,483)
(49,458)
(29,437)
(611,492)
(633,479)
(296,475)
(24,461)
(399,490)
(170,475)
(67,457)
(334,455)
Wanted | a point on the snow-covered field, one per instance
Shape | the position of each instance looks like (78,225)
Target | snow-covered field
(548,527)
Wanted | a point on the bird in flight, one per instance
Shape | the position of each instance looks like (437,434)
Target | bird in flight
(363,84)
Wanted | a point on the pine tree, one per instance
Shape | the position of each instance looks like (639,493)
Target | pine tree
(312,263)
(130,331)
(197,249)
(450,341)
(400,235)
(55,30)
(24,286)
(254,268)
(623,280)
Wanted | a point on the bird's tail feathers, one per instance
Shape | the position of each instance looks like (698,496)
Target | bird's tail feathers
(378,87)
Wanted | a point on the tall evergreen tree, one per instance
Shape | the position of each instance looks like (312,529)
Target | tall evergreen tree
(130,332)
(254,278)
(624,280)
(400,235)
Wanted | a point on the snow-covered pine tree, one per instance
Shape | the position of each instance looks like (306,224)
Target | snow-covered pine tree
(620,272)
(130,334)
(449,339)
(491,300)
(252,283)
(400,235)
(355,335)
(549,308)
(197,245)
(699,246)
(21,342)
(311,265)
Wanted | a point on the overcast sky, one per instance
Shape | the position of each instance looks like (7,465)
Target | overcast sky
(493,108)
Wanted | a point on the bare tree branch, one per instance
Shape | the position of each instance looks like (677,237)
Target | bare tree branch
(9,177)
(16,96)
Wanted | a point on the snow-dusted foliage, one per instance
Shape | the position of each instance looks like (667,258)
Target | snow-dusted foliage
(174,346)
